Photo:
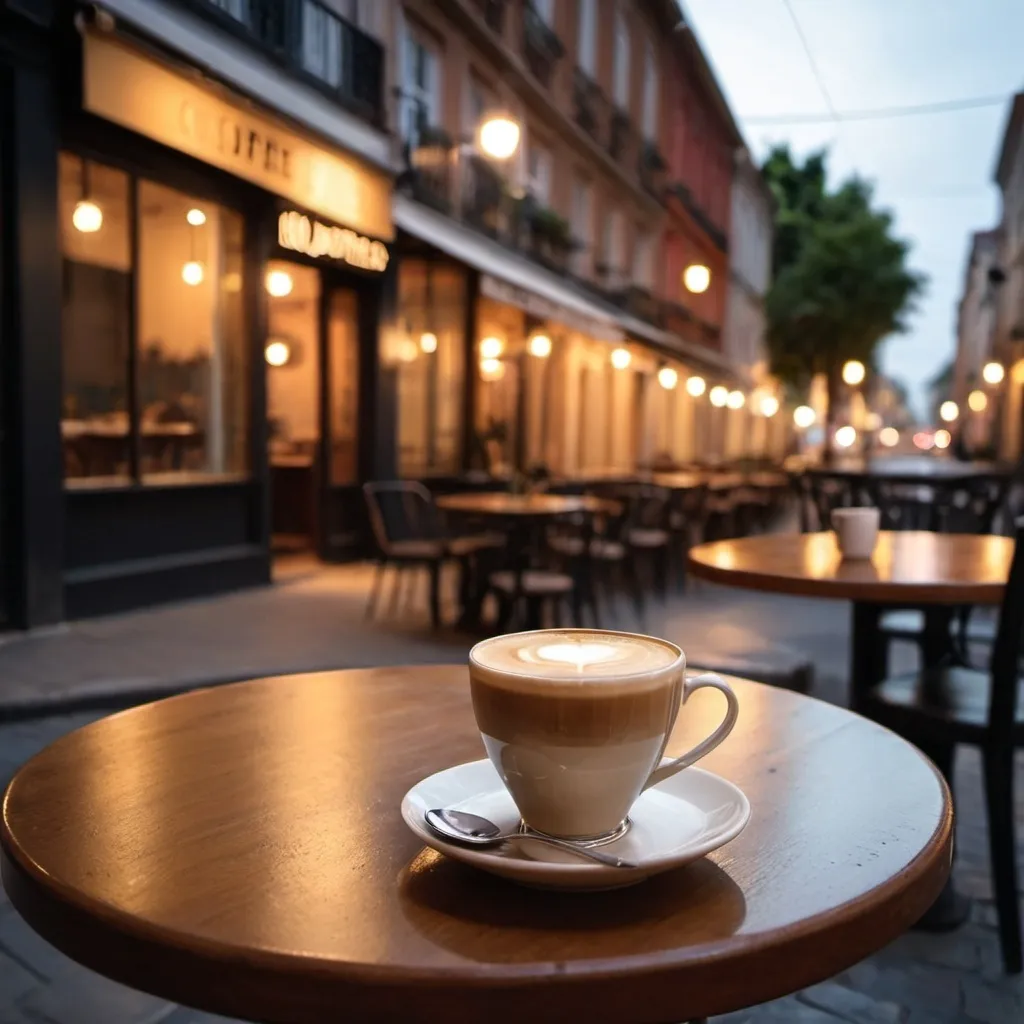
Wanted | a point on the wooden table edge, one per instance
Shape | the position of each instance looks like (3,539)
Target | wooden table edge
(867,591)
(112,943)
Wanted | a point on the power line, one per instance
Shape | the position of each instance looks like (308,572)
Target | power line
(880,113)
(813,63)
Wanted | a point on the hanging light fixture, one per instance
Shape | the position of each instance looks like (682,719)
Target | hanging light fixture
(87,216)
(668,377)
(196,217)
(277,352)
(621,358)
(804,416)
(846,436)
(492,369)
(540,346)
(993,373)
(491,348)
(949,411)
(718,396)
(193,272)
(279,283)
(428,342)
(696,386)
(977,401)
(736,400)
(769,406)
(499,136)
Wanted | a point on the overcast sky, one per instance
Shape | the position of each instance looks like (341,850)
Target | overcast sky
(934,171)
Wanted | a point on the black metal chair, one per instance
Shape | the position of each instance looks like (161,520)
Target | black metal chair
(955,704)
(409,532)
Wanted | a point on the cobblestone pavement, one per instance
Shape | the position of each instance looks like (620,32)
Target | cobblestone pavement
(314,622)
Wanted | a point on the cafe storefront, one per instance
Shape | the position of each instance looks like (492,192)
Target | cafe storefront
(211,350)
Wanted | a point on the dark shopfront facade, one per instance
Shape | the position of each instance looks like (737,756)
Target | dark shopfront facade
(193,290)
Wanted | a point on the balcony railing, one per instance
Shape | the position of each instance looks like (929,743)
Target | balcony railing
(313,42)
(586,102)
(493,14)
(651,167)
(542,49)
(620,135)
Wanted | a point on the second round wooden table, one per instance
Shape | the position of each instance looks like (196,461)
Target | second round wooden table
(241,850)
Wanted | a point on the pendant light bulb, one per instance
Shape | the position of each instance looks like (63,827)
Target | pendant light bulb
(192,273)
(88,217)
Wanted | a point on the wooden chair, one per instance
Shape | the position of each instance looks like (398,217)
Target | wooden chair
(955,704)
(408,529)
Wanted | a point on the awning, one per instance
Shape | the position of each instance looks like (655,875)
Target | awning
(515,280)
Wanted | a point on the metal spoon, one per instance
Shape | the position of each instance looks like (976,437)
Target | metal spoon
(474,830)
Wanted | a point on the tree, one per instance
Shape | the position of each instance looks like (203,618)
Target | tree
(840,279)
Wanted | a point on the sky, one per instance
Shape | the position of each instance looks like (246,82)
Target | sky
(933,171)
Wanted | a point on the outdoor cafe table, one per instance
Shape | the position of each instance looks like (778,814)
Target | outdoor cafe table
(240,849)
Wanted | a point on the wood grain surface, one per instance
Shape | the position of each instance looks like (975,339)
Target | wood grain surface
(488,503)
(906,568)
(240,849)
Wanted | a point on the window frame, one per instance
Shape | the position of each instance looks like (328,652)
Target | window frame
(621,59)
(649,111)
(414,95)
(587,32)
(196,187)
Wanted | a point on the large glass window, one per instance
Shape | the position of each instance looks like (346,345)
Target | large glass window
(431,368)
(187,414)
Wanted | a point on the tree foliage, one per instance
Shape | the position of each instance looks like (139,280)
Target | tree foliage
(840,279)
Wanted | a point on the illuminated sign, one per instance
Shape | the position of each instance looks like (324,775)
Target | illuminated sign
(127,87)
(297,232)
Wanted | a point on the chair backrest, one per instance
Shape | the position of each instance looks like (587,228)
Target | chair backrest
(1006,651)
(971,506)
(400,510)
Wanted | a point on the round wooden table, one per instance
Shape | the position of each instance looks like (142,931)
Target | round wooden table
(240,849)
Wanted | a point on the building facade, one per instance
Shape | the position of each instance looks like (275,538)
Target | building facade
(256,254)
(1008,348)
(750,269)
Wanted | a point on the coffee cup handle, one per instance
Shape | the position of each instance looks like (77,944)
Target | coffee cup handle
(690,684)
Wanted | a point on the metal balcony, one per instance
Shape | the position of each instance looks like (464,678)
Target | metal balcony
(542,48)
(312,42)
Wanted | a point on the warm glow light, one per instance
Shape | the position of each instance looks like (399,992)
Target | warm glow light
(943,438)
(718,396)
(621,358)
(499,137)
(853,372)
(277,353)
(491,348)
(696,278)
(88,217)
(949,411)
(924,440)
(668,378)
(736,400)
(279,283)
(769,405)
(196,217)
(889,436)
(492,369)
(993,373)
(978,401)
(872,421)
(846,436)
(804,416)
(540,346)
(428,342)
(192,273)
(696,386)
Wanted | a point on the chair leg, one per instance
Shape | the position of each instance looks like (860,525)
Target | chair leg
(435,594)
(1003,852)
(396,590)
(636,584)
(375,586)
(659,566)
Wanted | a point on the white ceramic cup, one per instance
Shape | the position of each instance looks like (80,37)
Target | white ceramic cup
(856,531)
(576,722)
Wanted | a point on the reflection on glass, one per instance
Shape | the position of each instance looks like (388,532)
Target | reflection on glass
(432,309)
(191,365)
(96,320)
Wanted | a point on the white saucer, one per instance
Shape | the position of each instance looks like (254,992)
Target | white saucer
(682,819)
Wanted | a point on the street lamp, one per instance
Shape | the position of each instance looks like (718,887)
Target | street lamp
(853,372)
(977,401)
(949,411)
(846,436)
(889,436)
(993,373)
(499,137)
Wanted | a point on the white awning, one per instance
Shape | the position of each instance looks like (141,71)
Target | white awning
(518,281)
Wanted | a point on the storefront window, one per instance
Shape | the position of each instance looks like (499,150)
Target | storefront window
(431,370)
(188,413)
(343,349)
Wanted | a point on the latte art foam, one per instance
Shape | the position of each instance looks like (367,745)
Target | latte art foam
(559,658)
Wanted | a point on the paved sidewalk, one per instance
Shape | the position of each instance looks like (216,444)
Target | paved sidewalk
(314,621)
